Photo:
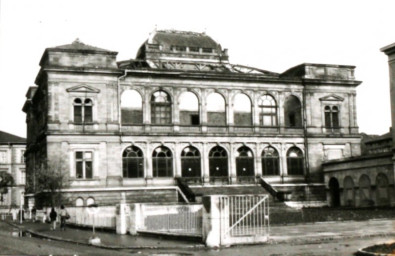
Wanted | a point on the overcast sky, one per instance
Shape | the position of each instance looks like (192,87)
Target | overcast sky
(271,35)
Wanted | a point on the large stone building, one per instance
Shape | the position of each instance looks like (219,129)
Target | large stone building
(12,162)
(181,109)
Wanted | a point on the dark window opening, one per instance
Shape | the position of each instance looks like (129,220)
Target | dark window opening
(194,49)
(162,162)
(207,50)
(244,162)
(83,161)
(195,120)
(190,162)
(160,108)
(331,117)
(270,161)
(218,162)
(295,161)
(133,162)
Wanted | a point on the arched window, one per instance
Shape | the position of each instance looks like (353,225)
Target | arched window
(292,112)
(295,161)
(216,109)
(131,107)
(218,162)
(79,202)
(270,162)
(189,109)
(90,201)
(83,111)
(190,162)
(334,192)
(133,162)
(160,108)
(349,195)
(382,194)
(242,110)
(267,111)
(331,116)
(244,162)
(162,162)
(364,191)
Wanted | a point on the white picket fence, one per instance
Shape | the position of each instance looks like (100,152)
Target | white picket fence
(105,216)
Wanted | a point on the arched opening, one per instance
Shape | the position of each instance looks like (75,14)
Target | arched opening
(334,191)
(189,109)
(160,108)
(131,107)
(244,162)
(349,194)
(267,111)
(190,163)
(79,202)
(218,162)
(292,112)
(133,162)
(242,110)
(270,162)
(365,197)
(162,162)
(216,114)
(382,193)
(295,161)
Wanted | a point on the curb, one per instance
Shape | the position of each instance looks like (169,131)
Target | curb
(113,247)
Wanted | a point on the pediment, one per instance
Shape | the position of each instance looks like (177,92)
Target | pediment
(332,97)
(83,89)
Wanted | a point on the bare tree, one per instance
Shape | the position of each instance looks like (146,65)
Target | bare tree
(6,181)
(47,182)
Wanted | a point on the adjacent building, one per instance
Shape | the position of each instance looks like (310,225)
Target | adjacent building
(181,109)
(12,161)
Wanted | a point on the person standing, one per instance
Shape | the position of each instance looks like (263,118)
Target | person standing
(34,213)
(52,217)
(64,215)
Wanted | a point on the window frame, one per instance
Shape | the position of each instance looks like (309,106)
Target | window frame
(133,161)
(271,111)
(331,116)
(85,107)
(84,160)
(273,159)
(160,108)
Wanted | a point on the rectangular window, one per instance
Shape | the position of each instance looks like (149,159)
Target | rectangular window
(22,180)
(88,114)
(22,156)
(3,156)
(195,120)
(194,49)
(207,50)
(83,165)
(78,114)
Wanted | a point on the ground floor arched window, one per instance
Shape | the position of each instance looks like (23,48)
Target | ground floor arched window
(218,162)
(295,161)
(349,194)
(244,162)
(190,162)
(162,162)
(334,191)
(270,162)
(365,198)
(133,162)
(382,194)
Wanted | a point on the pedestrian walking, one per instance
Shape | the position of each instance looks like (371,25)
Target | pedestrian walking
(34,214)
(64,215)
(52,217)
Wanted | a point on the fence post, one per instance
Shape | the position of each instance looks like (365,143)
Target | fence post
(136,218)
(122,218)
(212,221)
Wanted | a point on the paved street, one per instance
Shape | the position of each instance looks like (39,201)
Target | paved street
(326,238)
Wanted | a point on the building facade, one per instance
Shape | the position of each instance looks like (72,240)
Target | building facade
(12,161)
(181,109)
(367,180)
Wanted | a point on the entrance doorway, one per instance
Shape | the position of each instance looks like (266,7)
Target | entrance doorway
(334,192)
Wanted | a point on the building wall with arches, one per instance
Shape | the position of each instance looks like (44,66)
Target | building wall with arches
(360,182)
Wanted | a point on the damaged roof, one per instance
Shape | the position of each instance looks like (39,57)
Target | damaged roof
(182,38)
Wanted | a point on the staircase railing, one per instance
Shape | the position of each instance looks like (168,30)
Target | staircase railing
(276,194)
(183,186)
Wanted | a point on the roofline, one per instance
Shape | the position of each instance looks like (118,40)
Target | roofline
(388,49)
(358,158)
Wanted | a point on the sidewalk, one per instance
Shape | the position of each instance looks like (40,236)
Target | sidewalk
(108,240)
(299,233)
